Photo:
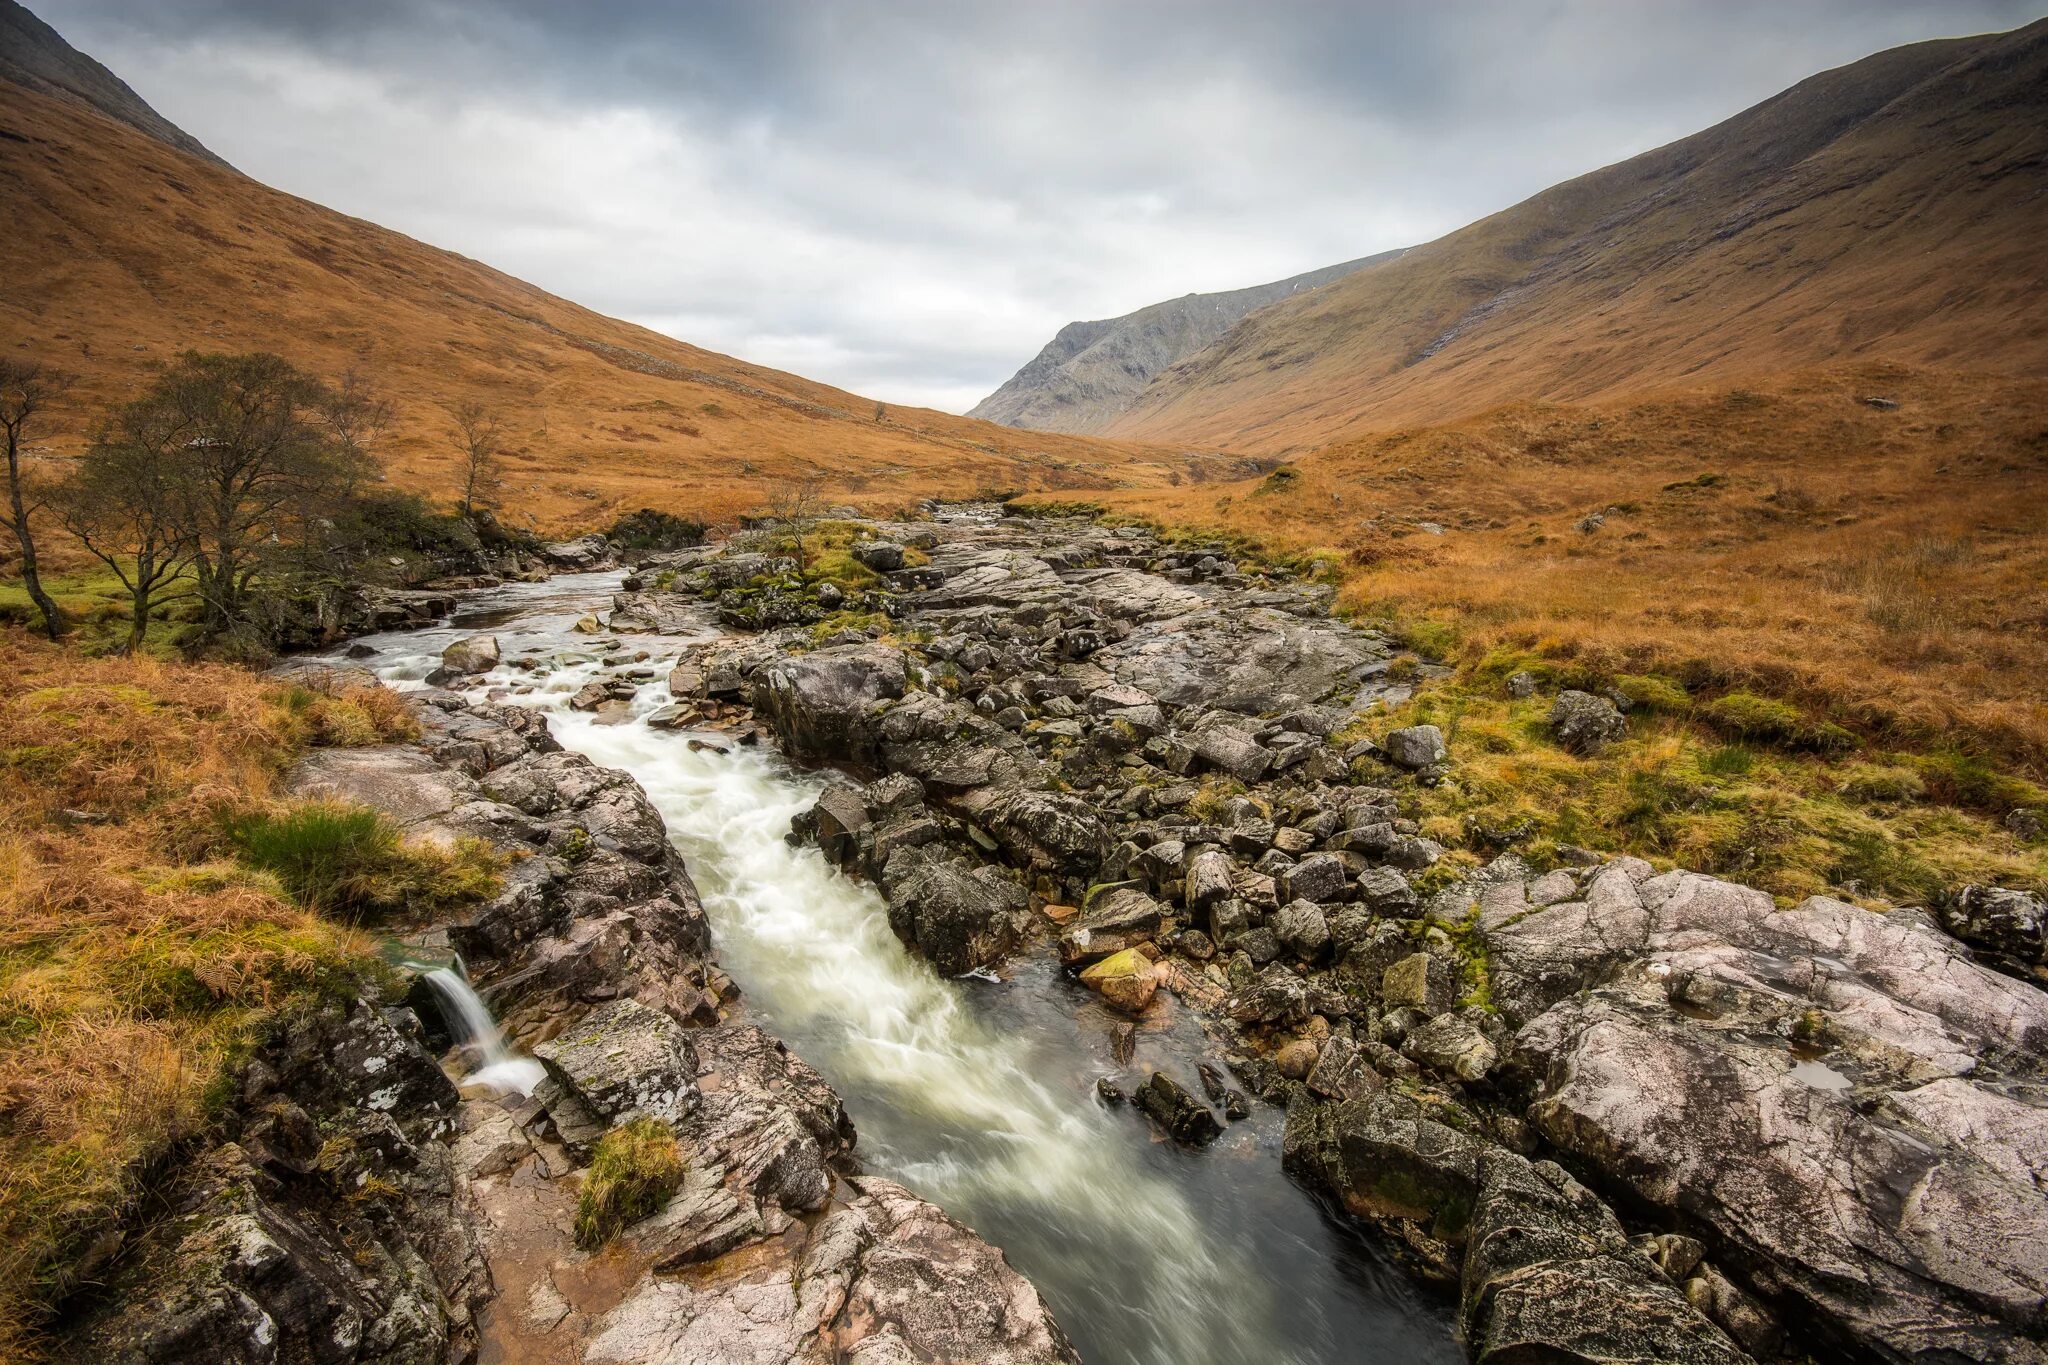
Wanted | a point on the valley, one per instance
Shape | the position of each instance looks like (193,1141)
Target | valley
(1485,802)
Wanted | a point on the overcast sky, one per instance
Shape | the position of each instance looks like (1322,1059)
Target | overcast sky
(907,200)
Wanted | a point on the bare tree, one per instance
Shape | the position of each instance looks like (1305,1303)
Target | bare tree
(122,504)
(27,387)
(256,452)
(476,441)
(797,506)
(359,416)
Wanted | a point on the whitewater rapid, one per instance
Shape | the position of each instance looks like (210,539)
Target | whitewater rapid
(976,1094)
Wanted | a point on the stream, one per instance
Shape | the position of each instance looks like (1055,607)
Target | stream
(978,1095)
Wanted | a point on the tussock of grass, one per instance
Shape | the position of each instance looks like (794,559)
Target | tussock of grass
(635,1169)
(349,862)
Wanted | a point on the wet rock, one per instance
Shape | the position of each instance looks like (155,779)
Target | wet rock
(619,1062)
(1186,1119)
(958,917)
(1550,1275)
(1385,1158)
(580,555)
(1125,979)
(1275,996)
(838,820)
(1117,920)
(1045,831)
(1415,746)
(821,705)
(476,654)
(2011,923)
(1585,724)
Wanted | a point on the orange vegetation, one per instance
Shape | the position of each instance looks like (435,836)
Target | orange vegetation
(1886,564)
(131,972)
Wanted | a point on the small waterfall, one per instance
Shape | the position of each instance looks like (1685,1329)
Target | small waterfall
(471,1027)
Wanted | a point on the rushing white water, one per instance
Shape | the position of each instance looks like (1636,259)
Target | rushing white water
(975,1094)
(471,1027)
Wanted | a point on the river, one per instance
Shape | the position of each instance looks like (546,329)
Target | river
(978,1095)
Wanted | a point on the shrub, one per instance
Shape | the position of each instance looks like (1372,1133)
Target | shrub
(636,1168)
(350,863)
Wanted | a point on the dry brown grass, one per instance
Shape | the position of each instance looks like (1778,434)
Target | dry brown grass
(1887,567)
(134,968)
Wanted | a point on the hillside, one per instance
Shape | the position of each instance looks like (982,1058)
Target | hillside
(35,56)
(1887,209)
(122,250)
(1093,371)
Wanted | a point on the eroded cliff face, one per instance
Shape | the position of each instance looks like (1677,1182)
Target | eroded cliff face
(368,1210)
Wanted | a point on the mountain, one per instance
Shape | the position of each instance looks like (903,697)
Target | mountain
(1894,209)
(127,243)
(34,56)
(1092,371)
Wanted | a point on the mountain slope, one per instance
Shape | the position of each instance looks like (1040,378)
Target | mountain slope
(1892,208)
(34,55)
(122,250)
(1092,371)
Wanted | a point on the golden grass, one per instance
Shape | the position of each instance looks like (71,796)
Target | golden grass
(137,962)
(1885,567)
(635,1169)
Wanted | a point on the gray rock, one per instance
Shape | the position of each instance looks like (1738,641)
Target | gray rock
(883,556)
(1318,877)
(1454,1045)
(1584,723)
(2013,923)
(619,1062)
(1419,981)
(476,654)
(1185,1118)
(1304,929)
(1416,746)
(822,704)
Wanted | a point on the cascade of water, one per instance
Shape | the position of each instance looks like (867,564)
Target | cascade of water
(471,1026)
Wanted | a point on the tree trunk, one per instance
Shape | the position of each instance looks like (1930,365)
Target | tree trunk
(32,579)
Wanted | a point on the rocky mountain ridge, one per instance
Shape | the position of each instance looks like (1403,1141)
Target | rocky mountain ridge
(1091,372)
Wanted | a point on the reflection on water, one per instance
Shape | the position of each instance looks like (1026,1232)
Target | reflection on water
(976,1094)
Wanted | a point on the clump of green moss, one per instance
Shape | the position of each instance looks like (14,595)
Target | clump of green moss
(636,1168)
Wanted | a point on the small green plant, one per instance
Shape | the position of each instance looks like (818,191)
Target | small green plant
(637,1166)
(349,862)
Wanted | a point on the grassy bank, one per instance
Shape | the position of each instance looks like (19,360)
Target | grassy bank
(1828,595)
(148,936)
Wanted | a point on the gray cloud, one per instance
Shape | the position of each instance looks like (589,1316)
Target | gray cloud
(907,199)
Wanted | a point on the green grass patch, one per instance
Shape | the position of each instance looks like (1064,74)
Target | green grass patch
(350,863)
(637,1167)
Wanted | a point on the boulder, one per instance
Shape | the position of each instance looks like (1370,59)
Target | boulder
(960,918)
(883,556)
(476,654)
(1115,921)
(619,1062)
(1452,1044)
(2011,923)
(1319,877)
(1585,724)
(1415,746)
(1549,1274)
(1126,980)
(821,705)
(1419,981)
(1304,928)
(1185,1118)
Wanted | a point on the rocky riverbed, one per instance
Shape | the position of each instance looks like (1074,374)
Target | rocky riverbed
(1631,1115)
(1613,1113)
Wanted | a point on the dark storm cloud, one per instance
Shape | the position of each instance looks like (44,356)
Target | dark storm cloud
(907,199)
